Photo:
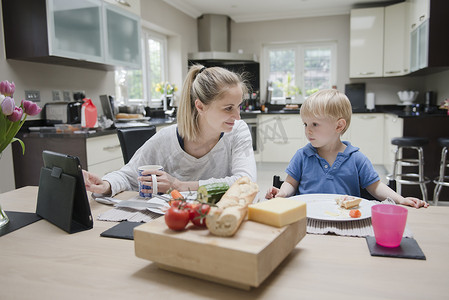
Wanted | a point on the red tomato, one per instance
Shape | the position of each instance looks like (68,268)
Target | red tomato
(355,213)
(199,214)
(176,219)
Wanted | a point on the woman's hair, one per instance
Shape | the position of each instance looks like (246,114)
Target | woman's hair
(207,85)
(328,103)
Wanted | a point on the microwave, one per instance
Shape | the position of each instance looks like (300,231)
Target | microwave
(63,113)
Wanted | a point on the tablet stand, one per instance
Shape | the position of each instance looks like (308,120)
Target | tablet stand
(56,199)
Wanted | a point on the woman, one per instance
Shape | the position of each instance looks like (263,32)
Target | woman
(209,144)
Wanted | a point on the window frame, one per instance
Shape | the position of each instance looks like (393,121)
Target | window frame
(148,98)
(300,48)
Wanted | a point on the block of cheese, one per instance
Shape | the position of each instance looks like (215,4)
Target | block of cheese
(277,212)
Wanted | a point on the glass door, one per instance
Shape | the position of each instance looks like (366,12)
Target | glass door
(75,29)
(123,37)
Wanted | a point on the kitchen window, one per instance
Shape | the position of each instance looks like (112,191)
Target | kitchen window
(297,70)
(138,86)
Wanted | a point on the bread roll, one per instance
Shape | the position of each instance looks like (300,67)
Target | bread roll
(226,217)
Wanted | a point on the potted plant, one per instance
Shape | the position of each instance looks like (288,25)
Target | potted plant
(289,88)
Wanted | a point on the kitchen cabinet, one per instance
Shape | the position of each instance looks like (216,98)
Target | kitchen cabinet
(98,154)
(366,42)
(132,6)
(279,137)
(396,56)
(428,36)
(419,11)
(366,132)
(104,154)
(393,127)
(123,37)
(75,33)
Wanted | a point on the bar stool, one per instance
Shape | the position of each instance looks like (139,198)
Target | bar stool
(442,180)
(415,143)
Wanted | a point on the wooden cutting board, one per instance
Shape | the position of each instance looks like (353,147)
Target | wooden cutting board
(243,261)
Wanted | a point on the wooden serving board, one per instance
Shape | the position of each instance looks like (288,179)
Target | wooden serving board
(244,260)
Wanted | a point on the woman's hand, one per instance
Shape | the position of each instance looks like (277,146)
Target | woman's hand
(413,202)
(164,181)
(94,184)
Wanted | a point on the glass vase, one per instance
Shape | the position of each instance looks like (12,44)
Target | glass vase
(3,218)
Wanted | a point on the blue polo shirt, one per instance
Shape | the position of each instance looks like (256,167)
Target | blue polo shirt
(351,171)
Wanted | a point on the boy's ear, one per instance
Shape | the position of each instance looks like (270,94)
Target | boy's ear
(341,125)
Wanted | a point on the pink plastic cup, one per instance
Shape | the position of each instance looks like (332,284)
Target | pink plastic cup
(388,224)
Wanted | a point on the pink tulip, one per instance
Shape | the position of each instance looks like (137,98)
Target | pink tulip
(8,106)
(7,88)
(30,108)
(16,115)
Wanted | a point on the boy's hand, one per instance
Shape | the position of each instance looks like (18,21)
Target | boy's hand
(414,202)
(272,192)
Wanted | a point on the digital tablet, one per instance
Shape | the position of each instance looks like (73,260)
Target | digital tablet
(62,197)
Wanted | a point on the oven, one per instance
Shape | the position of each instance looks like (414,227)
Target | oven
(252,124)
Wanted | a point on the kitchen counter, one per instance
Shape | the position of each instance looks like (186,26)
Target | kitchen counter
(390,109)
(88,133)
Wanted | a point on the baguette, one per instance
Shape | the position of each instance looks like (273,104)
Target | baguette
(348,201)
(226,217)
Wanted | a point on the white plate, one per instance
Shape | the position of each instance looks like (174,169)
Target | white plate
(324,207)
(161,210)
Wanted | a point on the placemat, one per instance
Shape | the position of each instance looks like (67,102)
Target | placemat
(128,214)
(408,248)
(123,230)
(18,220)
(356,228)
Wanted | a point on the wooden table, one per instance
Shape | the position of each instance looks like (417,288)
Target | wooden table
(40,261)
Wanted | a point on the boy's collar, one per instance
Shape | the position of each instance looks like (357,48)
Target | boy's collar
(309,150)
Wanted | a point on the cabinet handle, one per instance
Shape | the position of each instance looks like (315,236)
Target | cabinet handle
(393,72)
(280,142)
(366,73)
(413,25)
(108,148)
(368,117)
(123,2)
(422,18)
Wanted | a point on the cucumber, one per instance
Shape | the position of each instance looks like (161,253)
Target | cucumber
(212,192)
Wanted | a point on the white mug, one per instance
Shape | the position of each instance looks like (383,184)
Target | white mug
(153,179)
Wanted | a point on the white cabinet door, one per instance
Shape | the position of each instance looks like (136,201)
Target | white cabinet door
(393,127)
(419,12)
(75,29)
(366,42)
(396,41)
(279,137)
(367,133)
(122,38)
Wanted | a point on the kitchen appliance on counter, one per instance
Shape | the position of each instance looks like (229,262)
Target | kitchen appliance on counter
(356,95)
(63,113)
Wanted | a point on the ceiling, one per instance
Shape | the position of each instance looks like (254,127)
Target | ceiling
(265,10)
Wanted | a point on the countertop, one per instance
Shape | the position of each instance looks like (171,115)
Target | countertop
(85,133)
(398,110)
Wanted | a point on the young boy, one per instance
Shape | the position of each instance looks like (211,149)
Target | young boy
(328,165)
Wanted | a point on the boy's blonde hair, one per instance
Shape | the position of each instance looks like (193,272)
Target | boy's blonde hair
(207,85)
(328,103)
